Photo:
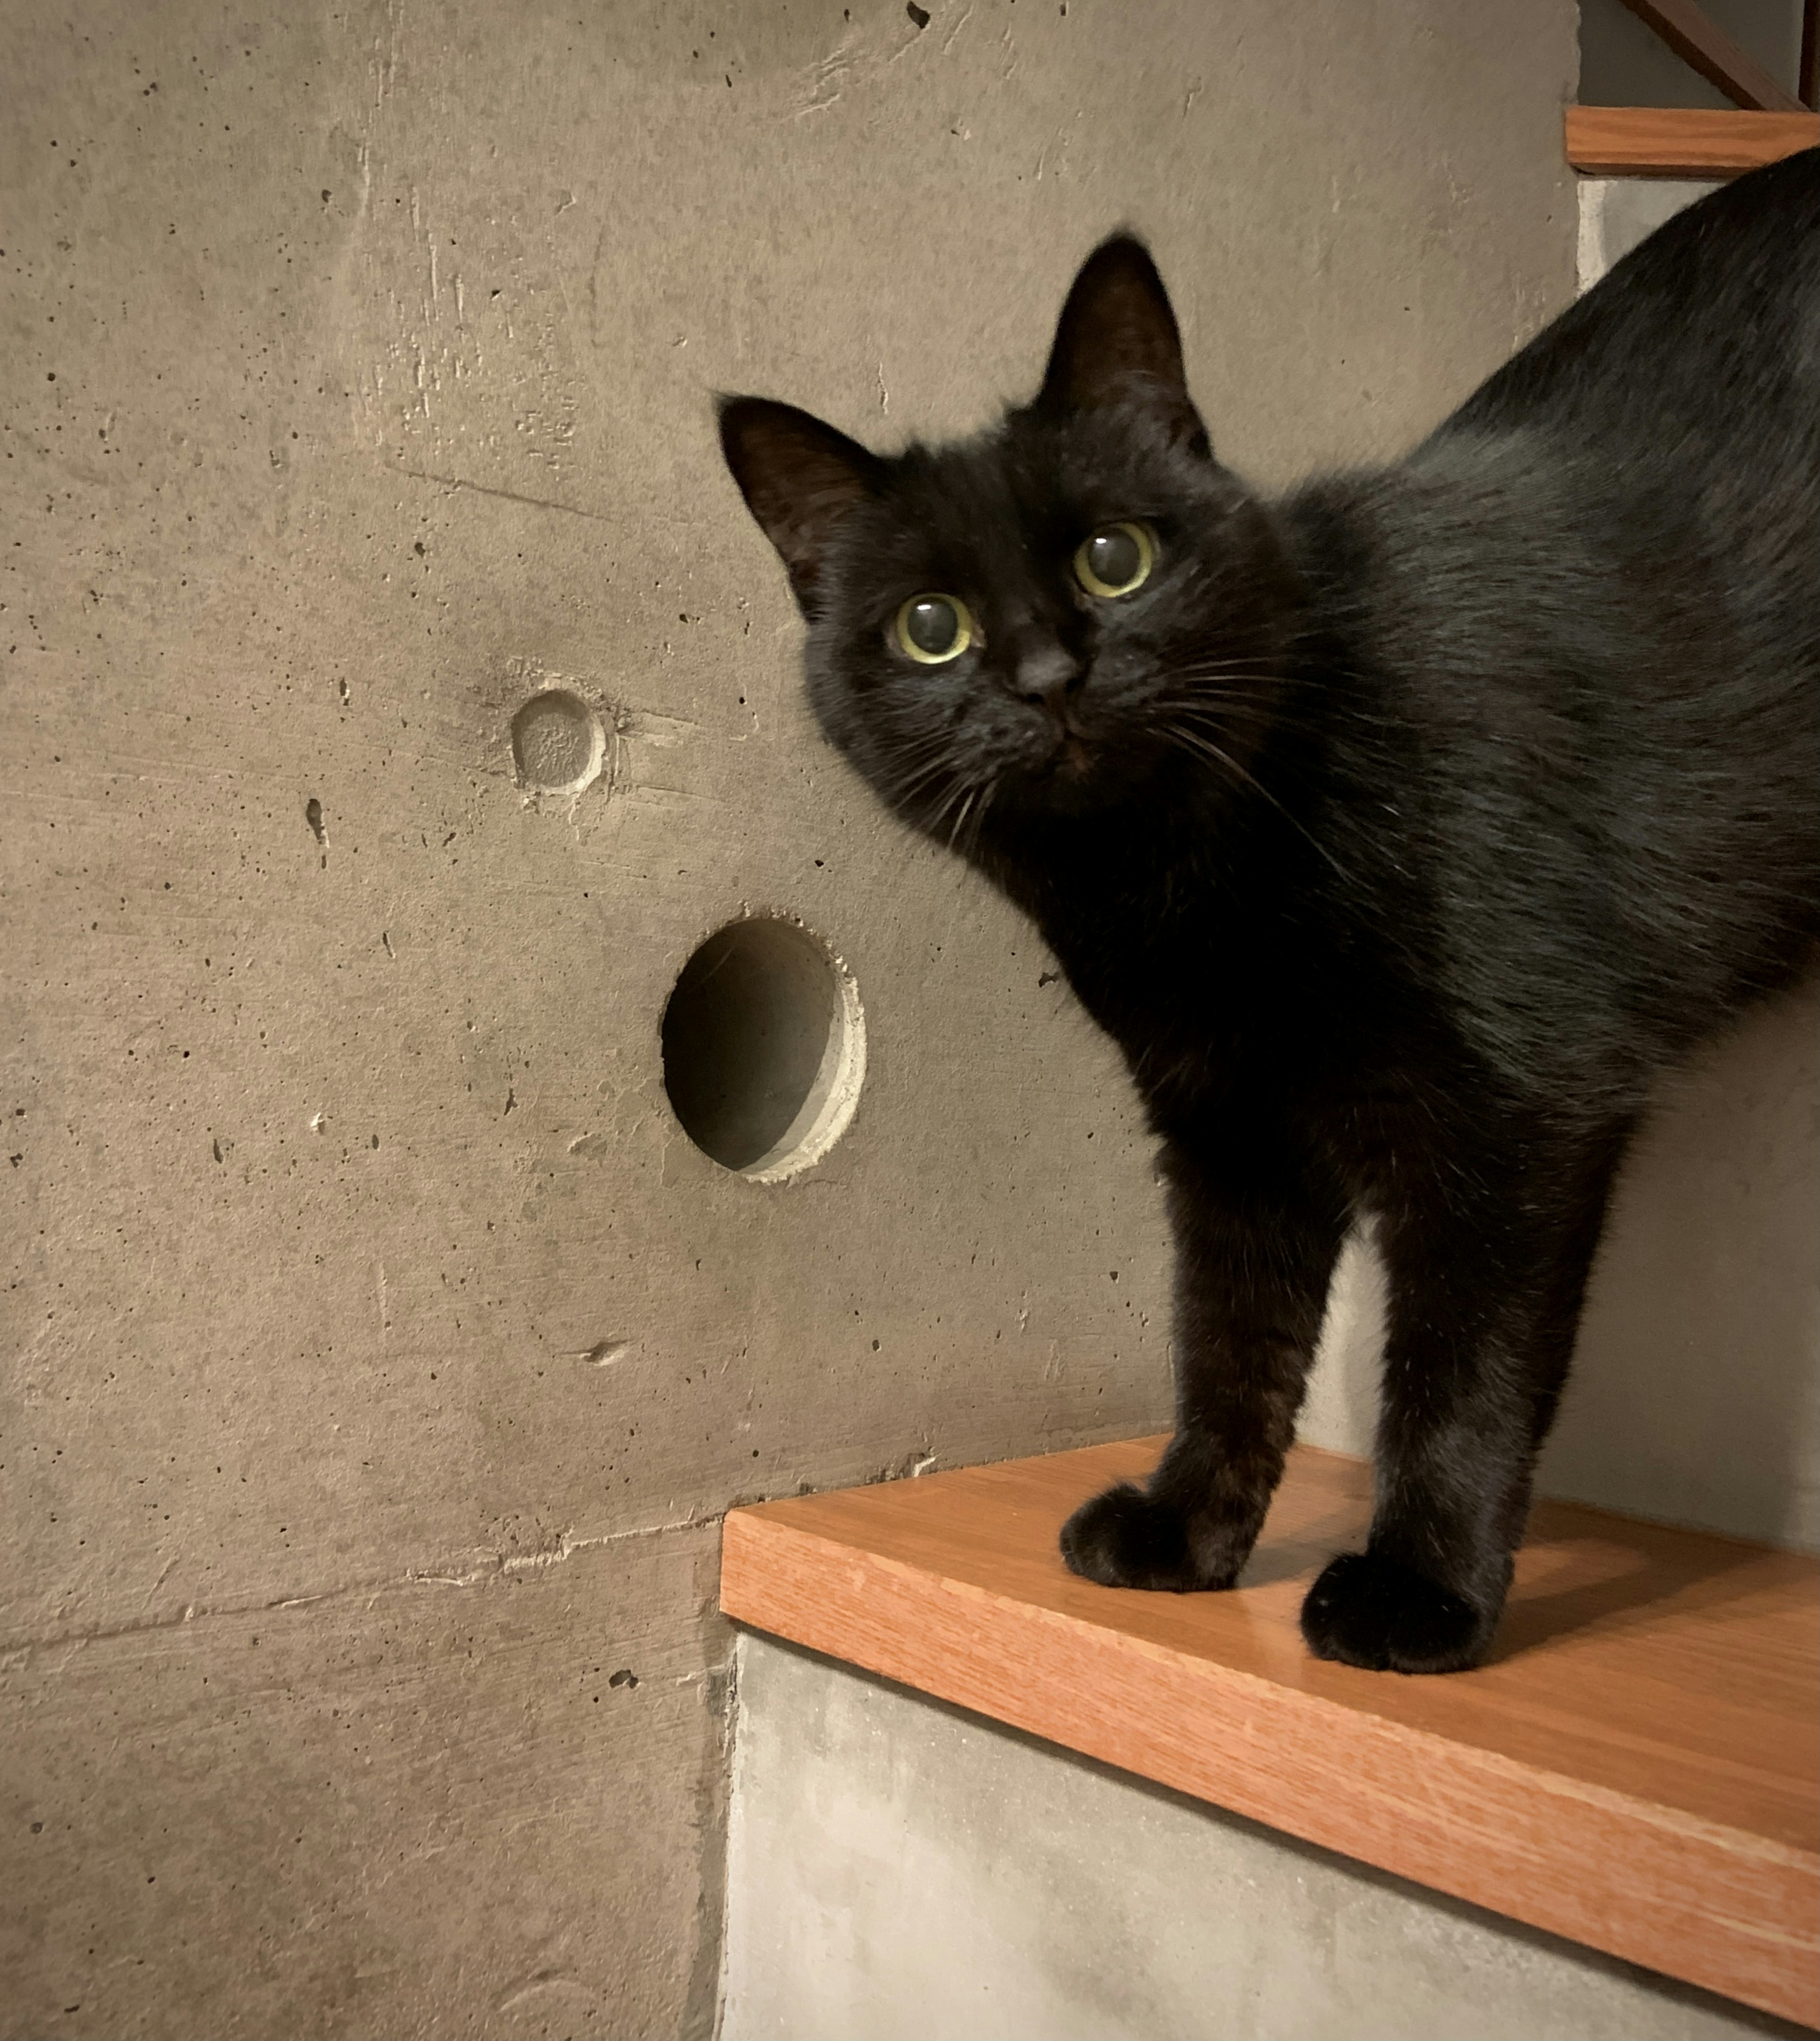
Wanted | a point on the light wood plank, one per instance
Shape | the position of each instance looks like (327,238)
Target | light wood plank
(1638,1768)
(1682,142)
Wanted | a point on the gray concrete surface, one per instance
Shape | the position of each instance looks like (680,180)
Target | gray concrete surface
(901,1871)
(359,1294)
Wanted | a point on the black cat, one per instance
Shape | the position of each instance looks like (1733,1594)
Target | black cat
(1400,832)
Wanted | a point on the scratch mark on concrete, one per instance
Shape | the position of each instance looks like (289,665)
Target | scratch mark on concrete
(827,77)
(543,1981)
(506,1565)
(603,1353)
(506,495)
(647,786)
(594,291)
(648,727)
(857,58)
(385,58)
(485,1569)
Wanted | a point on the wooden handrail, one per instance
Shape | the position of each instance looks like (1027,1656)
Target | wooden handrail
(1638,1768)
(1682,142)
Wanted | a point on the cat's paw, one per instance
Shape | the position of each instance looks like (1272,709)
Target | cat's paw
(1125,1538)
(1372,1612)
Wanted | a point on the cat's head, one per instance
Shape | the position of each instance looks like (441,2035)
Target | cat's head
(1076,611)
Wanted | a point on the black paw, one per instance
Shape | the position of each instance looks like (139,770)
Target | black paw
(1372,1612)
(1125,1538)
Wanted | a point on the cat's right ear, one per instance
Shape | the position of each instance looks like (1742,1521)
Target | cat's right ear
(1117,346)
(800,479)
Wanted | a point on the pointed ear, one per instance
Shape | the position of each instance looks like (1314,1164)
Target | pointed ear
(1116,344)
(799,479)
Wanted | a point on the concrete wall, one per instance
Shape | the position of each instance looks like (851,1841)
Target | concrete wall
(899,1869)
(378,1353)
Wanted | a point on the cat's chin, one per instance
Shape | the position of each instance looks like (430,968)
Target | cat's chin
(1081,778)
(1075,782)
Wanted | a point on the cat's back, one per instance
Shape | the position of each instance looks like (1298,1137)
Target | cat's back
(1582,623)
(1636,493)
(1702,342)
(1622,521)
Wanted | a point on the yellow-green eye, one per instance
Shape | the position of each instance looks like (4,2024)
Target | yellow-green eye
(935,629)
(1115,560)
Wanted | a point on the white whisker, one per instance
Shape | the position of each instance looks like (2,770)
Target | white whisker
(1194,742)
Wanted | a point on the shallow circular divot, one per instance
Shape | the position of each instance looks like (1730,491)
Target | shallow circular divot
(558,744)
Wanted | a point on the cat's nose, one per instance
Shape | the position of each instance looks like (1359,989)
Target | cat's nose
(1046,675)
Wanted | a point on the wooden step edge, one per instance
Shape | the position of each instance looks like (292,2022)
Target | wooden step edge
(1682,142)
(1729,1911)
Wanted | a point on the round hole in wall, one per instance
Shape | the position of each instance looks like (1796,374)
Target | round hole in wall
(764,1048)
(558,744)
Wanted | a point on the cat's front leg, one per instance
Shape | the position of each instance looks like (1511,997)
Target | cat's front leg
(1255,1247)
(1487,1281)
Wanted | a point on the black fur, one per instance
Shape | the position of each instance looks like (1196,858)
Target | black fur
(1400,832)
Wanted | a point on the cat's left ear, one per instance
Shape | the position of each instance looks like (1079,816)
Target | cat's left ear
(1117,346)
(800,479)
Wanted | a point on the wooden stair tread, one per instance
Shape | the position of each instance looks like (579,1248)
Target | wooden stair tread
(1638,1768)
(1681,142)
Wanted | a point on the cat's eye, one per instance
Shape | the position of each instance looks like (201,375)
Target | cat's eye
(934,628)
(1115,560)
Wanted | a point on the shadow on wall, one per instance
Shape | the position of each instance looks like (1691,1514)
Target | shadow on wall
(1696,1391)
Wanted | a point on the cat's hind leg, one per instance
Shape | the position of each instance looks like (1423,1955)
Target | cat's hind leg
(1486,1282)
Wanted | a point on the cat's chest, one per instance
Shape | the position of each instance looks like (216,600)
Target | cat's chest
(1196,1018)
(1247,1014)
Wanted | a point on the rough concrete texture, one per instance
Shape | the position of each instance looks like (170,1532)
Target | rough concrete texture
(359,1293)
(899,1869)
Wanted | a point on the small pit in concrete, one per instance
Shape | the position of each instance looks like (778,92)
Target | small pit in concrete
(764,1048)
(558,745)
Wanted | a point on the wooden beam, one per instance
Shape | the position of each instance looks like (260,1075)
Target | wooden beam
(1682,142)
(1638,1768)
(1708,49)
(1807,90)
